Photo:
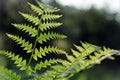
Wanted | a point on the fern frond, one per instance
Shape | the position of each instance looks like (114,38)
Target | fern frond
(96,58)
(84,51)
(103,54)
(17,60)
(54,73)
(65,63)
(52,10)
(49,25)
(32,31)
(80,63)
(47,50)
(50,16)
(41,5)
(31,18)
(83,57)
(51,74)
(50,35)
(26,45)
(71,58)
(46,10)
(46,63)
(8,74)
(58,68)
(81,60)
(36,9)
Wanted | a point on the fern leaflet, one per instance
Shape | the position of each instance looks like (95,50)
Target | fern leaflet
(17,60)
(27,46)
(47,50)
(50,35)
(31,18)
(8,74)
(32,31)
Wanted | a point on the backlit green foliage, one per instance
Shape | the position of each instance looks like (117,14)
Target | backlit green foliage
(8,74)
(83,58)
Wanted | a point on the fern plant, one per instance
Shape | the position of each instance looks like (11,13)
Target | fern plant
(83,57)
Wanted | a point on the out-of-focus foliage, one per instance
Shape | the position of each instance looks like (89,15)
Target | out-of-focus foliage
(96,26)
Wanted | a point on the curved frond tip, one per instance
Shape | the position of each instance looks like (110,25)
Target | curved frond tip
(36,9)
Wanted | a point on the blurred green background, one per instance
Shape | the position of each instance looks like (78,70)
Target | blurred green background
(93,25)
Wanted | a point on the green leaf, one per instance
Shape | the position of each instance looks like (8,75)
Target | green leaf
(36,9)
(41,5)
(50,35)
(29,70)
(8,74)
(50,16)
(32,31)
(49,25)
(47,50)
(52,10)
(31,18)
(27,46)
(46,63)
(17,60)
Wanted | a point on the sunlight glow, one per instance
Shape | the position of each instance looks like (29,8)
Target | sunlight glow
(112,5)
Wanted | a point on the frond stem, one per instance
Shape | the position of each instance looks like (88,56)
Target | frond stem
(34,47)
